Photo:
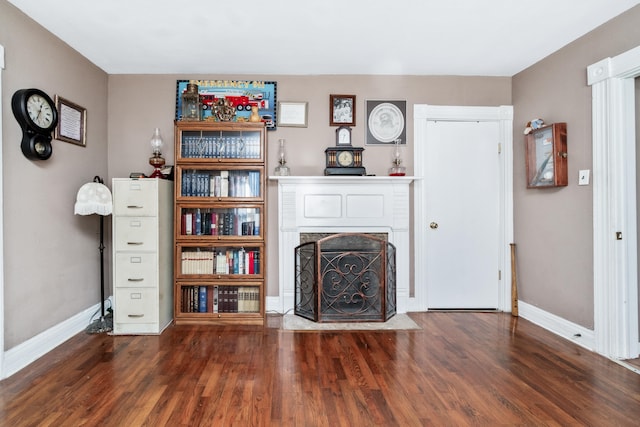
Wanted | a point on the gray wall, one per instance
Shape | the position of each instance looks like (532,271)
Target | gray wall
(553,227)
(51,261)
(51,258)
(130,127)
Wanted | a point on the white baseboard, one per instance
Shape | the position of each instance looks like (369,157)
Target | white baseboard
(24,354)
(578,334)
(274,305)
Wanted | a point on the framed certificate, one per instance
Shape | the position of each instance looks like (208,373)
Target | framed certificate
(72,122)
(292,114)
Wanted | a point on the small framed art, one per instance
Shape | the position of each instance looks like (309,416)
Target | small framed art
(386,122)
(72,122)
(292,114)
(342,110)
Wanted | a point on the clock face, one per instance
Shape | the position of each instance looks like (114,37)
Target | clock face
(345,158)
(40,111)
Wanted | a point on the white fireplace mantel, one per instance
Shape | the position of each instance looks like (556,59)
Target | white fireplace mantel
(338,204)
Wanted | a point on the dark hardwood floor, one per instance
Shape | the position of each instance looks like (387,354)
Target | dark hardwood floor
(483,369)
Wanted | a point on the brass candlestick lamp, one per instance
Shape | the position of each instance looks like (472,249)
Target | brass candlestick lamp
(157,161)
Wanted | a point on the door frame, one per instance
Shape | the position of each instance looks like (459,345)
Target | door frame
(615,265)
(2,373)
(504,116)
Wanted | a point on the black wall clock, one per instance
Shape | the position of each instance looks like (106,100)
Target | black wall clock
(36,114)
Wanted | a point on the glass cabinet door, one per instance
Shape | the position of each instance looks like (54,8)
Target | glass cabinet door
(220,144)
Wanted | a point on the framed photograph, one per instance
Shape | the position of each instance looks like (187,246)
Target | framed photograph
(386,122)
(342,110)
(72,122)
(241,94)
(292,114)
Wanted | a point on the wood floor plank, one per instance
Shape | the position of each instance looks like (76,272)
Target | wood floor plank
(459,369)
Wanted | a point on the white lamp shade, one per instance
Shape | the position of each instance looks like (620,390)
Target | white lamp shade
(94,198)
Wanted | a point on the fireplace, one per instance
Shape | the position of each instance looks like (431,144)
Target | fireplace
(374,205)
(346,277)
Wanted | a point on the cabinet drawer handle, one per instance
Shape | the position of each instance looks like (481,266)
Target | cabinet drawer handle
(135,280)
(134,207)
(135,243)
(136,315)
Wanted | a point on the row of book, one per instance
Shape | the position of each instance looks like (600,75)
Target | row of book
(222,222)
(238,183)
(222,261)
(220,299)
(224,147)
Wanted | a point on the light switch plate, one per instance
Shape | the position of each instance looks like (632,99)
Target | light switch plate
(583,177)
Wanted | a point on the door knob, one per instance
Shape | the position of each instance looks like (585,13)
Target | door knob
(433,225)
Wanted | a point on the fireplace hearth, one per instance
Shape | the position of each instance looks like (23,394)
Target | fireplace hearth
(345,277)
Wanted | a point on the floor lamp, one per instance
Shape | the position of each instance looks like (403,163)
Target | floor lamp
(95,198)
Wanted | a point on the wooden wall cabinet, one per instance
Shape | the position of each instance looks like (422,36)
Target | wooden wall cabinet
(546,156)
(220,223)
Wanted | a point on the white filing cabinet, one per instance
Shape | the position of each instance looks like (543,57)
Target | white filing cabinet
(142,255)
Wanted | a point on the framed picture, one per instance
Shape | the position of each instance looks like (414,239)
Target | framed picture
(342,110)
(292,114)
(241,94)
(386,122)
(72,122)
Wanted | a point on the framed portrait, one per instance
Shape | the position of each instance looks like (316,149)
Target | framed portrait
(72,122)
(342,110)
(386,122)
(242,94)
(292,114)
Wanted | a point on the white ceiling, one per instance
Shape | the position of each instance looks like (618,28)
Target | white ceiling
(404,37)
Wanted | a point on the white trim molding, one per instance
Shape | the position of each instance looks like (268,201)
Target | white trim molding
(573,332)
(2,358)
(615,270)
(31,350)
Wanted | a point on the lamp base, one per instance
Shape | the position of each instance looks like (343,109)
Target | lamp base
(157,173)
(101,325)
(157,161)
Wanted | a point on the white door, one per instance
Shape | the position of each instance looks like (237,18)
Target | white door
(462,207)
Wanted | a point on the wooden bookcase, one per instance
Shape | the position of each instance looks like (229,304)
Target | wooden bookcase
(220,223)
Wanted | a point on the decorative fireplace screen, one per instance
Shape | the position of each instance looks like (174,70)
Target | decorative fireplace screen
(346,277)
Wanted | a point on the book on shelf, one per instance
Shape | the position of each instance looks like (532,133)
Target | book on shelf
(223,261)
(198,222)
(187,224)
(224,183)
(202,299)
(220,299)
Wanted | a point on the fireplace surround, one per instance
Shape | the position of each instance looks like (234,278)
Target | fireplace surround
(346,204)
